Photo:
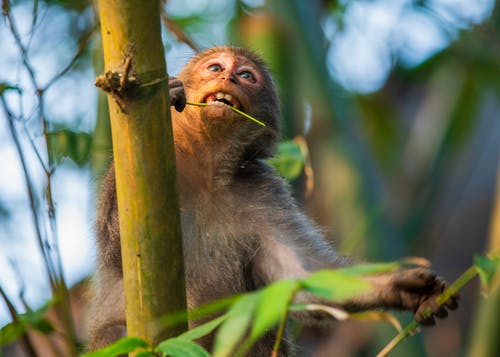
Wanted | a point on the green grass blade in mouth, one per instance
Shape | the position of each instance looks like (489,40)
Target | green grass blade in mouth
(248,116)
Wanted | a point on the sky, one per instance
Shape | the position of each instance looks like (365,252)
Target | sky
(376,35)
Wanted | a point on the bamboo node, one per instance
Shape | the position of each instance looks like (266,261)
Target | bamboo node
(118,83)
(115,83)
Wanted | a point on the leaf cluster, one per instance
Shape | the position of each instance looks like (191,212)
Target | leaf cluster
(250,316)
(32,320)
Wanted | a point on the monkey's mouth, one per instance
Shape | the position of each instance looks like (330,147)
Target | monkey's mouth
(221,98)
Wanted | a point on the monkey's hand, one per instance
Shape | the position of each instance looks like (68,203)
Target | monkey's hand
(176,93)
(415,290)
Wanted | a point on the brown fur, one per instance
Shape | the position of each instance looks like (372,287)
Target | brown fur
(241,227)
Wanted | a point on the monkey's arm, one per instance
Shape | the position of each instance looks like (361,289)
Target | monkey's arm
(413,289)
(293,248)
(176,93)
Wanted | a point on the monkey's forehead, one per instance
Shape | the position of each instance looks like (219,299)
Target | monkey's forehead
(238,60)
(234,50)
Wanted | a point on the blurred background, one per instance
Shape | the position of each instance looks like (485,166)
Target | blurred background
(393,104)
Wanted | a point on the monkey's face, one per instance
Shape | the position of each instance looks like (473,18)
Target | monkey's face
(222,80)
(231,76)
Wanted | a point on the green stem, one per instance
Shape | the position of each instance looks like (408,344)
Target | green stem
(233,109)
(279,334)
(463,279)
(281,327)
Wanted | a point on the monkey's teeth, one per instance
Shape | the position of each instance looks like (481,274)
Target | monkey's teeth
(221,98)
(216,102)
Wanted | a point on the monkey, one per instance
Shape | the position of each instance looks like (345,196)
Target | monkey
(241,227)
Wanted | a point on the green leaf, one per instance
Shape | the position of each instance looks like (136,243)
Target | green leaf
(204,329)
(335,285)
(72,144)
(289,161)
(11,332)
(273,306)
(203,311)
(122,346)
(36,319)
(146,354)
(370,269)
(213,307)
(7,86)
(180,347)
(486,268)
(43,325)
(236,325)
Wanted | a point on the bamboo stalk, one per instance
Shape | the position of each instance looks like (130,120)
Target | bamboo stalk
(144,161)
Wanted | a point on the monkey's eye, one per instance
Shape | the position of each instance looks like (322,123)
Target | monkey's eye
(248,76)
(215,67)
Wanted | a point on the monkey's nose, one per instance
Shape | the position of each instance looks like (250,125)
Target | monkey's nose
(232,77)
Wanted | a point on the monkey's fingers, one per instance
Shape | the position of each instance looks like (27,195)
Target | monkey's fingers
(452,302)
(428,308)
(425,321)
(177,94)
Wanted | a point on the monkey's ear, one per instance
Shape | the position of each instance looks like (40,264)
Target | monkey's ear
(176,93)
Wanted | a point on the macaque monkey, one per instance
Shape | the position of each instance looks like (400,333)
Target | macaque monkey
(241,227)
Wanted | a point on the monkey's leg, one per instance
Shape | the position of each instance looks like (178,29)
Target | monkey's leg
(107,323)
(106,334)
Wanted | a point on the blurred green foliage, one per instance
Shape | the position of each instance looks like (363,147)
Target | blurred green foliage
(289,160)
(70,144)
(35,320)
